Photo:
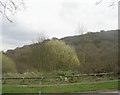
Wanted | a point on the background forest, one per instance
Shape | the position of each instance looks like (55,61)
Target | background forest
(88,53)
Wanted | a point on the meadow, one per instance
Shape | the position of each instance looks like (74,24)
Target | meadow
(70,88)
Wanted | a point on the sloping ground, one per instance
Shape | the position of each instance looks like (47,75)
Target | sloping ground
(97,52)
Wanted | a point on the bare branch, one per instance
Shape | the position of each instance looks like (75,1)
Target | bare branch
(6,14)
(2,4)
(15,7)
(10,7)
(112,4)
(8,18)
(1,12)
(99,2)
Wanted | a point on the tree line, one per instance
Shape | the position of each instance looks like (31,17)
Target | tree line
(46,56)
(88,53)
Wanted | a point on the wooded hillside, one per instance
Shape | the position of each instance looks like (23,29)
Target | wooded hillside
(96,52)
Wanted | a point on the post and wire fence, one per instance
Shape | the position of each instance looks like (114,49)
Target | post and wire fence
(70,78)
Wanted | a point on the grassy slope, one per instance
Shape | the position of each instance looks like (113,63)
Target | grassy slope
(64,89)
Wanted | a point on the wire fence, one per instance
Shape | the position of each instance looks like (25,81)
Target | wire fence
(70,78)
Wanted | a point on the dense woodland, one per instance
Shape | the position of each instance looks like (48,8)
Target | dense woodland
(97,52)
(92,52)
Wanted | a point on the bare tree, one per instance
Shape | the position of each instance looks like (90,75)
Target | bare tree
(42,37)
(81,29)
(10,7)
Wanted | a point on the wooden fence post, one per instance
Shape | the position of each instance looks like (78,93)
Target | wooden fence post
(23,80)
(4,80)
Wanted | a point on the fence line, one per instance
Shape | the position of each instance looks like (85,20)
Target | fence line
(78,75)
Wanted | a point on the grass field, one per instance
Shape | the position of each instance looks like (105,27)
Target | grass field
(70,88)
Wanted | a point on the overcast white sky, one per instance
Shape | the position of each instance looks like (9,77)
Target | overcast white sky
(57,18)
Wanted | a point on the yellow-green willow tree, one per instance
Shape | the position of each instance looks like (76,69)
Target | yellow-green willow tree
(54,55)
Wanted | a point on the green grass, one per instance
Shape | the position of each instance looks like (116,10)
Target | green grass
(82,87)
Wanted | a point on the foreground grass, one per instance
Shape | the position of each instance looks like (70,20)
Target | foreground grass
(82,87)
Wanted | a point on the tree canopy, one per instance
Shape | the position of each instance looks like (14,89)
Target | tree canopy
(54,55)
(49,55)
